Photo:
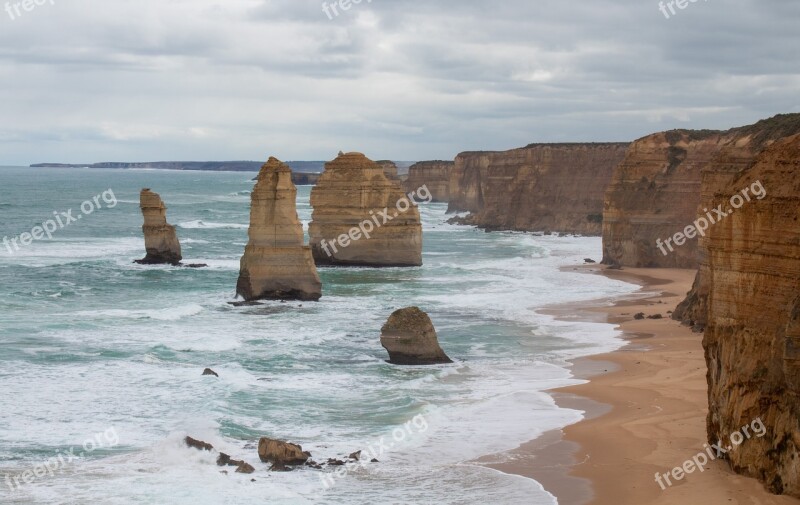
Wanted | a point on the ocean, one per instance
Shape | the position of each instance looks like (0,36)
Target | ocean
(101,358)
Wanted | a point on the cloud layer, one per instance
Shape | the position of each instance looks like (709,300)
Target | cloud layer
(143,80)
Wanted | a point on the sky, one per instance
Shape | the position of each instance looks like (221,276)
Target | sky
(152,80)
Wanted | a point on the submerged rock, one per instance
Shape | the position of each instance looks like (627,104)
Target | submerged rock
(160,238)
(411,339)
(363,218)
(209,371)
(276,264)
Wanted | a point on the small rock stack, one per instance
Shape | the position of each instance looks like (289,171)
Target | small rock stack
(160,238)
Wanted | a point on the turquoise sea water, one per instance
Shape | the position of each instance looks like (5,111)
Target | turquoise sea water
(91,343)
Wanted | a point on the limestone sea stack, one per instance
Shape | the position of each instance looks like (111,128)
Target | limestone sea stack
(160,238)
(363,218)
(276,264)
(752,341)
(411,339)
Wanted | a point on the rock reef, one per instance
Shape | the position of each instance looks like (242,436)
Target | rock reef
(360,219)
(752,341)
(160,238)
(435,175)
(276,264)
(657,190)
(410,339)
(541,187)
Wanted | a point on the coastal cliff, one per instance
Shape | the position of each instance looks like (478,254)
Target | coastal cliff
(435,175)
(657,189)
(541,187)
(160,238)
(276,263)
(752,341)
(348,227)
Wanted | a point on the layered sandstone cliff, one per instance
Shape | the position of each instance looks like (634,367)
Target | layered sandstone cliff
(435,175)
(160,238)
(541,187)
(752,340)
(276,263)
(389,169)
(363,218)
(656,191)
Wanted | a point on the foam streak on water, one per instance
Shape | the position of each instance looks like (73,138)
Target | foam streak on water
(89,341)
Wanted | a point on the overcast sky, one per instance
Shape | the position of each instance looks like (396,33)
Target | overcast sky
(146,80)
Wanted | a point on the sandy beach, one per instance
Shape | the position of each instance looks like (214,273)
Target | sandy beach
(646,410)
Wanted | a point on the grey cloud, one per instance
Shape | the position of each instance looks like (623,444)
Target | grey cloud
(405,79)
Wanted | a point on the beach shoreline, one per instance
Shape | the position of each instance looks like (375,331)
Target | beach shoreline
(645,409)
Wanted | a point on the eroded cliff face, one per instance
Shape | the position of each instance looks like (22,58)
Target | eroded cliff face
(752,341)
(732,159)
(541,187)
(160,238)
(389,169)
(276,263)
(435,175)
(348,223)
(665,179)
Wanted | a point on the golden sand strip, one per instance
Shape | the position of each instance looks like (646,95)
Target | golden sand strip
(655,415)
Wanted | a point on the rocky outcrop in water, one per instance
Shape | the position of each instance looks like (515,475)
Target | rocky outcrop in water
(752,341)
(282,455)
(411,339)
(160,238)
(361,217)
(276,263)
(541,187)
(197,444)
(658,188)
(435,175)
(241,466)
